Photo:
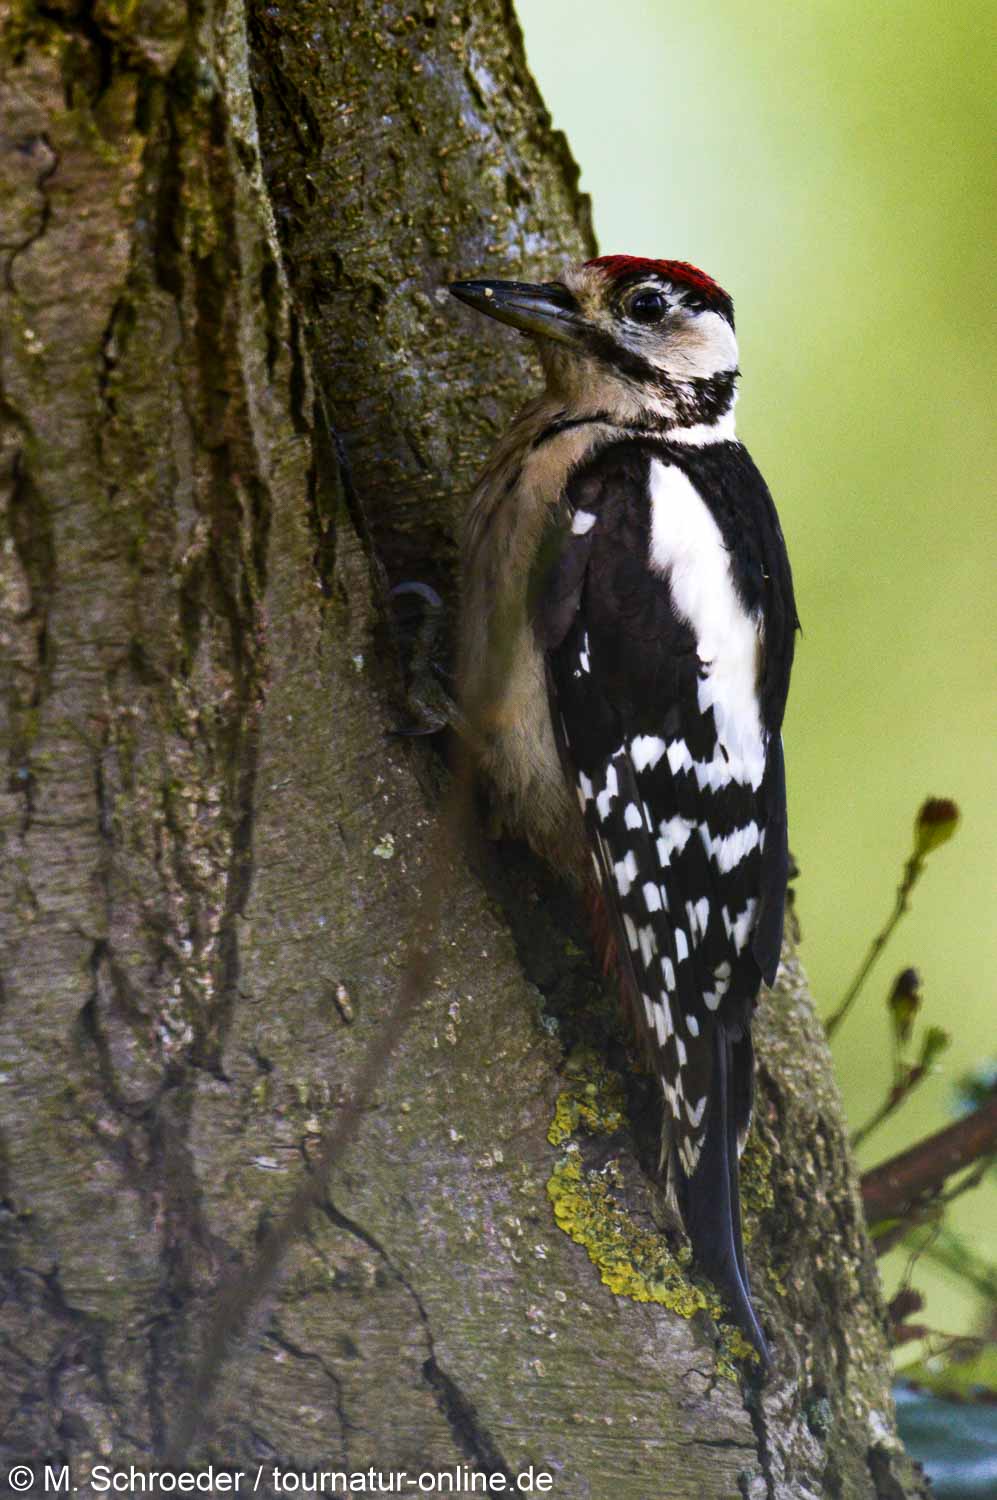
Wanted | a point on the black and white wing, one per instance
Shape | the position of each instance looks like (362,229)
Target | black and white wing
(667,621)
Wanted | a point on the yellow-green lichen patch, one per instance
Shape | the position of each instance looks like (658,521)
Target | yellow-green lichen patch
(631,1261)
(757,1195)
(592,1102)
(756,1181)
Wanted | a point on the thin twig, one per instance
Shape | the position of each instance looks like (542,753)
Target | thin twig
(912,871)
(906,1080)
(893,1102)
(966,1184)
(935,824)
(890,1189)
(949,1251)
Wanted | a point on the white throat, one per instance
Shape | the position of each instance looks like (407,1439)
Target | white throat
(721,431)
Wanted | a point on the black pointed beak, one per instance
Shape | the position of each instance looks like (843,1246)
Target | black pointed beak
(548,311)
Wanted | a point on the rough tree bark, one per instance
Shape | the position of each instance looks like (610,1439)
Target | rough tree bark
(233,402)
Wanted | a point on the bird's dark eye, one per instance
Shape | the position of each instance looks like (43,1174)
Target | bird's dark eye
(648,307)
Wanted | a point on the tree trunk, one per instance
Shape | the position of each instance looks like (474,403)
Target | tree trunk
(234,403)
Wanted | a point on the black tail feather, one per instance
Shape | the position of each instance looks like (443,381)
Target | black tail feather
(710,1201)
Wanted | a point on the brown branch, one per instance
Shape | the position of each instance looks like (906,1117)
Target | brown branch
(890,1189)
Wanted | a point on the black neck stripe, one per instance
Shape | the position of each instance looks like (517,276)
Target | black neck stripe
(564,424)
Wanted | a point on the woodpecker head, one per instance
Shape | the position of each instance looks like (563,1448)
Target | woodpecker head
(645,341)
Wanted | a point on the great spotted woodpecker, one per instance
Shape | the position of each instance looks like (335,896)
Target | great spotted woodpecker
(625,647)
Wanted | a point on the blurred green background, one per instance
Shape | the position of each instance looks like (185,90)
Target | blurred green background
(827,163)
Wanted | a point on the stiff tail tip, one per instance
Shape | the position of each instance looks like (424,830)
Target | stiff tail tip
(709,1203)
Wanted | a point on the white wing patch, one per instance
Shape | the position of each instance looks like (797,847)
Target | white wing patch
(675,833)
(739,927)
(632,817)
(679,758)
(625,872)
(730,849)
(609,791)
(646,750)
(695,1115)
(688,549)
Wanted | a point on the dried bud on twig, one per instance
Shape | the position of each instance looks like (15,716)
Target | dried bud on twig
(904,1003)
(936,823)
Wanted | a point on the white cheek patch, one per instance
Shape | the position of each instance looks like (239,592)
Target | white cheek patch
(705,346)
(692,342)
